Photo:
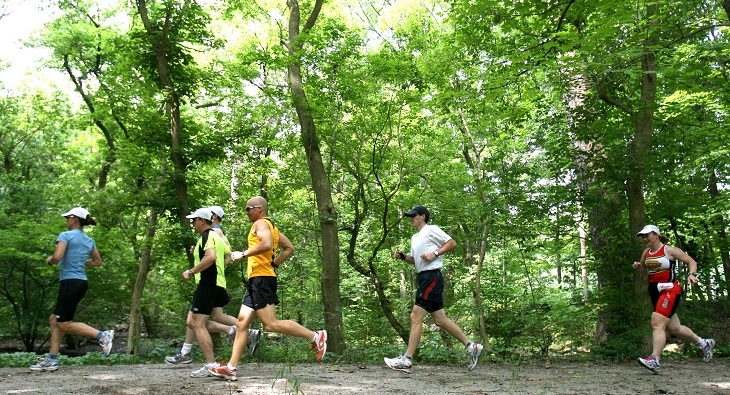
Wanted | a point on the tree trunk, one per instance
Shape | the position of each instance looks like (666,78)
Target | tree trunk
(106,164)
(720,226)
(159,41)
(478,290)
(583,258)
(320,181)
(135,315)
(643,133)
(402,331)
(558,257)
(472,157)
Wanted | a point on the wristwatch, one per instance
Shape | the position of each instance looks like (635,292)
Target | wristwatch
(693,274)
(436,252)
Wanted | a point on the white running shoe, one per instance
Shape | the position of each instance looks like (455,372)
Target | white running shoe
(651,362)
(45,364)
(400,362)
(253,340)
(707,350)
(473,352)
(232,336)
(204,371)
(179,358)
(107,337)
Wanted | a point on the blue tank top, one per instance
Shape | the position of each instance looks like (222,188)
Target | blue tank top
(78,248)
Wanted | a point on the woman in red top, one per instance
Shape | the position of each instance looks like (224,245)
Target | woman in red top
(659,261)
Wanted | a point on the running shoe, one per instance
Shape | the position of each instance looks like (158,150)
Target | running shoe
(107,337)
(232,335)
(320,344)
(707,350)
(204,371)
(253,340)
(650,362)
(224,373)
(45,364)
(179,358)
(400,362)
(473,352)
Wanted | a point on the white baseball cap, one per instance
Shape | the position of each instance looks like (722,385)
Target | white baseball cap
(77,212)
(203,213)
(648,229)
(82,214)
(217,210)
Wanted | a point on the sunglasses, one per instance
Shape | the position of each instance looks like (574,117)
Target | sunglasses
(249,208)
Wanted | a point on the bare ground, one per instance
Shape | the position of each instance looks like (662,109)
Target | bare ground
(677,377)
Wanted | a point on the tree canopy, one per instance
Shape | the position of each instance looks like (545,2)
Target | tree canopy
(541,135)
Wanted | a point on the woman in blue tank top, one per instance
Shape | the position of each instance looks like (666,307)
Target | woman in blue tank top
(73,249)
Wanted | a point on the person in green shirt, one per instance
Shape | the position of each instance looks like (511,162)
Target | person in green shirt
(211,254)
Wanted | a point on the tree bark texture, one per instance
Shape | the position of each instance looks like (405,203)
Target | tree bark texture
(720,225)
(160,42)
(472,156)
(320,181)
(145,262)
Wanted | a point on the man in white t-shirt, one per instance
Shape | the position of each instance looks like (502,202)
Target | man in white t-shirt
(427,247)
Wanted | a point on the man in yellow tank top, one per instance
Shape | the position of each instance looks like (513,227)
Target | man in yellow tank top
(263,241)
(219,321)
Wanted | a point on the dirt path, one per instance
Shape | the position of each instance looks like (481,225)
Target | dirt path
(677,377)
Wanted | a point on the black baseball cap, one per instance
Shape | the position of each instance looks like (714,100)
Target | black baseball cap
(417,210)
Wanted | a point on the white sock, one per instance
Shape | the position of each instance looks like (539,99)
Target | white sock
(186,348)
(231,367)
(232,330)
(701,343)
(316,336)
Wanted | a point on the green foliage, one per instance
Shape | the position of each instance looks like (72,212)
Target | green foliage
(291,379)
(25,359)
(513,122)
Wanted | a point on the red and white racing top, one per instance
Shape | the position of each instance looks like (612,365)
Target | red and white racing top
(661,268)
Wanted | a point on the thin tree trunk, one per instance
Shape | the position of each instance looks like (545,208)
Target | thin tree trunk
(159,40)
(478,291)
(583,259)
(111,154)
(720,226)
(135,315)
(473,158)
(558,257)
(320,181)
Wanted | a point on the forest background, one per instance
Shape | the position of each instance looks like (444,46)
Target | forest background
(541,135)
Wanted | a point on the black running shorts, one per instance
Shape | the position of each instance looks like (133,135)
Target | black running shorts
(207,297)
(430,295)
(70,293)
(261,292)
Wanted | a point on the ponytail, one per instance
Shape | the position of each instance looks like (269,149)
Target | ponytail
(89,220)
